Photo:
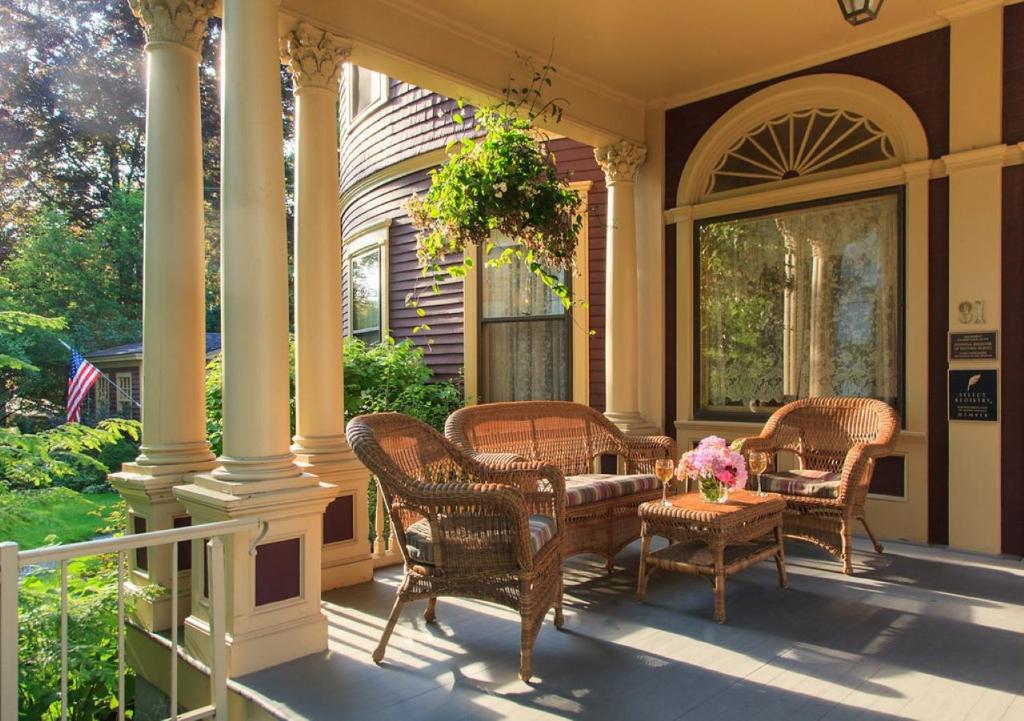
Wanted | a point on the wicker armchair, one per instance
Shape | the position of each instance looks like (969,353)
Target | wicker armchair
(569,436)
(841,436)
(465,529)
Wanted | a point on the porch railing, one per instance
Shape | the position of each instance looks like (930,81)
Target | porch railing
(12,561)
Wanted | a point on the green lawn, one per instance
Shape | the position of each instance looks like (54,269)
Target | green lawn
(28,517)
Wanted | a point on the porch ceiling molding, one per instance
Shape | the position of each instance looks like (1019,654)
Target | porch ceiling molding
(432,51)
(865,97)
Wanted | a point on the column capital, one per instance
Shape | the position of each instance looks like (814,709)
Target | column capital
(620,160)
(314,56)
(182,22)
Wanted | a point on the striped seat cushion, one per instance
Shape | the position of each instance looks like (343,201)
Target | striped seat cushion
(421,547)
(819,484)
(593,487)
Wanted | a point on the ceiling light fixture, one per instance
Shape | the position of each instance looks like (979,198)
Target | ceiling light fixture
(858,12)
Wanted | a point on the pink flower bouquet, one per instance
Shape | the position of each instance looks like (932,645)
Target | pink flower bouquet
(715,467)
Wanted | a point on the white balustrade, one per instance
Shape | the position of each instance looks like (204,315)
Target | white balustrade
(12,561)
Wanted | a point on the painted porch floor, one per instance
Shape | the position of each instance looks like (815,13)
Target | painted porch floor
(916,633)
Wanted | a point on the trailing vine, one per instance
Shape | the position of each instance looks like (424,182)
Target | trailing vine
(503,182)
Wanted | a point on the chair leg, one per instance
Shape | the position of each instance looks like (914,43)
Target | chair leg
(780,558)
(430,614)
(378,654)
(874,541)
(846,554)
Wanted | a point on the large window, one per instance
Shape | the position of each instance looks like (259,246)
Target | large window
(525,336)
(800,301)
(366,295)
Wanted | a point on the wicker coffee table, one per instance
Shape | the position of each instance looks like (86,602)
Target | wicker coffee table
(713,540)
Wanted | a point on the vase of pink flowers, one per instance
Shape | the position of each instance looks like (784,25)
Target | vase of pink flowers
(715,467)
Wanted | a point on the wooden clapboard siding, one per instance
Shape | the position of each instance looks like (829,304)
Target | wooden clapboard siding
(411,122)
(576,163)
(444,341)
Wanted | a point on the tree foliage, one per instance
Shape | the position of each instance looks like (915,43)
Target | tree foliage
(90,277)
(68,455)
(72,107)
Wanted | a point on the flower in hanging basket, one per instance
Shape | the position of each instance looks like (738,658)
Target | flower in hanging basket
(715,467)
(502,182)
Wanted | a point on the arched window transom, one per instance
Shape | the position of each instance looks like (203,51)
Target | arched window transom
(798,144)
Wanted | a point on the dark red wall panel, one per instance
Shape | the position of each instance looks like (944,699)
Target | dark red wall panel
(1012,354)
(1013,73)
(938,330)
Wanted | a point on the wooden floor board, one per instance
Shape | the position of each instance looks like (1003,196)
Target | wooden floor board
(915,633)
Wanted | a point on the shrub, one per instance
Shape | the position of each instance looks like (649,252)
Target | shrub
(92,640)
(72,455)
(393,376)
(388,376)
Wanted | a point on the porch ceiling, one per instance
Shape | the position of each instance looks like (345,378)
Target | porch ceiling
(616,58)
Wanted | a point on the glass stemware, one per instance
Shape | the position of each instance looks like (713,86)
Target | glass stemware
(758,464)
(664,469)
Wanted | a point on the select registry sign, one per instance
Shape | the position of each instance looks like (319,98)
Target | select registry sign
(973,395)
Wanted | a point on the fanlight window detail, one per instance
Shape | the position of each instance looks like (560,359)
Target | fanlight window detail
(799,144)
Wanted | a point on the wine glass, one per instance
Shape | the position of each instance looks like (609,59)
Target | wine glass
(758,464)
(664,469)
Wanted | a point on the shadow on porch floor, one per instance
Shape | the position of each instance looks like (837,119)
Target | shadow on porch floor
(915,633)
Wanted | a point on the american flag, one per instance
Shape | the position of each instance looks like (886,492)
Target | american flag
(81,376)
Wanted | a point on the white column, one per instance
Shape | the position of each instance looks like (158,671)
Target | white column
(314,58)
(620,162)
(274,598)
(173,349)
(254,256)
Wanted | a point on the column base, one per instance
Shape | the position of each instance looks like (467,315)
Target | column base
(273,604)
(632,423)
(346,554)
(253,651)
(321,452)
(150,497)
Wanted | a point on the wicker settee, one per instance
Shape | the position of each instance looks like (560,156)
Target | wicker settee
(600,509)
(836,441)
(464,529)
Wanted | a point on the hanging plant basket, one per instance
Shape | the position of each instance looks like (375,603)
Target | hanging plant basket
(503,182)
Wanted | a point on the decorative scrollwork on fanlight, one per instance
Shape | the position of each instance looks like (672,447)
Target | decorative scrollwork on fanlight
(799,144)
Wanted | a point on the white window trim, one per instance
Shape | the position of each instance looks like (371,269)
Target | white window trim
(382,83)
(367,237)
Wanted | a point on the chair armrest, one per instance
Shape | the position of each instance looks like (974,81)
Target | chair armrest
(640,452)
(542,485)
(475,510)
(756,443)
(857,469)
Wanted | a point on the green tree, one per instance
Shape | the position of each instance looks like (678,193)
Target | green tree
(89,277)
